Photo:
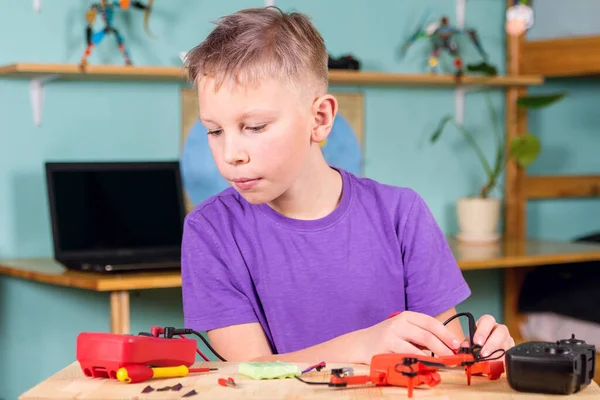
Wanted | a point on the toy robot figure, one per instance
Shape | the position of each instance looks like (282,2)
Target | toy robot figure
(442,36)
(106,9)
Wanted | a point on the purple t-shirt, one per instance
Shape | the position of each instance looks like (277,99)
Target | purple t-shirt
(308,281)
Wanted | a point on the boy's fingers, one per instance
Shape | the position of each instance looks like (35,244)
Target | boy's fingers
(485,325)
(498,340)
(408,348)
(419,336)
(436,328)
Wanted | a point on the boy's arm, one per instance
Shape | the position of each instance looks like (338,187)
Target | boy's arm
(248,342)
(214,293)
(406,333)
(240,342)
(434,283)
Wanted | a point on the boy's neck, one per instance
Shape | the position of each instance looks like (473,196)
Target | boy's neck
(315,194)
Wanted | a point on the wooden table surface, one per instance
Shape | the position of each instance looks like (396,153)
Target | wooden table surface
(504,254)
(47,270)
(70,383)
(521,253)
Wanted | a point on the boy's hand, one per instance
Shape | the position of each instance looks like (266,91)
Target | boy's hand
(492,336)
(408,332)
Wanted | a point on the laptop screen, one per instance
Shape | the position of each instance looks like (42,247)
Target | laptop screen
(114,210)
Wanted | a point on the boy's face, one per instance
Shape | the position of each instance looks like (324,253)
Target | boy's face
(260,136)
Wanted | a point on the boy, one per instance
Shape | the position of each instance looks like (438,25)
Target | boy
(299,261)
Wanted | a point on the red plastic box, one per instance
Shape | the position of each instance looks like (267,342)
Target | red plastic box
(100,355)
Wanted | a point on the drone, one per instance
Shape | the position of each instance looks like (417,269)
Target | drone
(412,370)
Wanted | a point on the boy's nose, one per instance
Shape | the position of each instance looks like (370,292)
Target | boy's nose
(233,154)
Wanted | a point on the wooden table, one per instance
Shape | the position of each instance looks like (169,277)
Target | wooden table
(47,270)
(508,254)
(521,253)
(70,383)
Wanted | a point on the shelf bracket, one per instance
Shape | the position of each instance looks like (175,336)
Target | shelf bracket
(36,94)
(459,94)
(459,104)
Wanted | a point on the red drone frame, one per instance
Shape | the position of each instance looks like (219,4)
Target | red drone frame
(411,370)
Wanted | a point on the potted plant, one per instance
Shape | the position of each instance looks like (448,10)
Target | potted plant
(479,215)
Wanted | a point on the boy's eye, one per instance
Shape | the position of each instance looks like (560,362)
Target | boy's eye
(215,132)
(257,128)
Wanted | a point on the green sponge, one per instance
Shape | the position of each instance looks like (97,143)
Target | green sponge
(269,370)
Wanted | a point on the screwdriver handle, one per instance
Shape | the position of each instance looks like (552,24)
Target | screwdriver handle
(139,373)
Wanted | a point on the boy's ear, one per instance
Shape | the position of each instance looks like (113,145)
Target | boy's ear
(324,110)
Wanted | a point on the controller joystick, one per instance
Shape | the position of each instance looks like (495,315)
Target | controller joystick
(562,367)
(572,340)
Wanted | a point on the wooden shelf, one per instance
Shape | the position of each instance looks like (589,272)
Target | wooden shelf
(567,57)
(566,186)
(337,77)
(40,74)
(113,72)
(392,79)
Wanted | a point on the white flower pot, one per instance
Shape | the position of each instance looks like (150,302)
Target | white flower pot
(478,219)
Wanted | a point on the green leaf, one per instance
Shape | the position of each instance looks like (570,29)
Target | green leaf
(440,128)
(540,100)
(525,149)
(484,67)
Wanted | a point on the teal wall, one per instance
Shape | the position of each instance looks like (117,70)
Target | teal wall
(114,121)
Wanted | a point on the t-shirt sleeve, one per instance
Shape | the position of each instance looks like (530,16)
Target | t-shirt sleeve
(213,294)
(434,283)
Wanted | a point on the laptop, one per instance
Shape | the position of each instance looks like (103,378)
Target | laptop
(112,217)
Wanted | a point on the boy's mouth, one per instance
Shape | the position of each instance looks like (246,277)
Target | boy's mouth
(245,183)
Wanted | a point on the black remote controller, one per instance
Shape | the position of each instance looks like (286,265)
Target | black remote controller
(562,367)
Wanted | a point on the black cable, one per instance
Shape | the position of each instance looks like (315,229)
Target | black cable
(207,344)
(472,326)
(309,382)
(489,357)
(170,332)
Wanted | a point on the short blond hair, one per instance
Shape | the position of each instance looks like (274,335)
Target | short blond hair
(256,43)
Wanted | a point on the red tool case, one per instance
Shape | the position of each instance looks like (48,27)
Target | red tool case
(100,355)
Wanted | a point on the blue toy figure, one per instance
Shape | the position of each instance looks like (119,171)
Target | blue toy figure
(106,9)
(202,179)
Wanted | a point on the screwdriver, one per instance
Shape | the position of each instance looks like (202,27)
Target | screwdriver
(139,373)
